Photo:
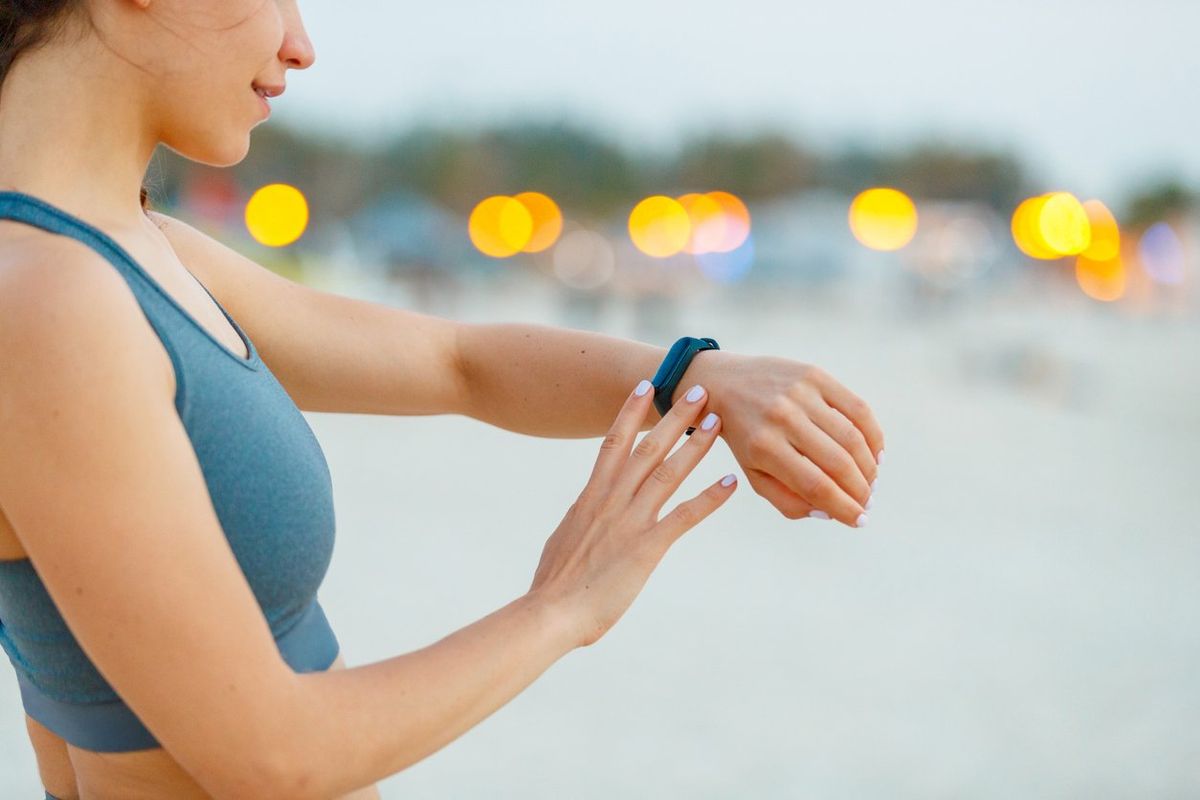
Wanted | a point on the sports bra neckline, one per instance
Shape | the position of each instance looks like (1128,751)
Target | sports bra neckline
(252,360)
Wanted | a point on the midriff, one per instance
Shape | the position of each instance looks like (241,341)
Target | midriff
(73,773)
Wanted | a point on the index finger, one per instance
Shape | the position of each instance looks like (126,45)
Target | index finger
(614,450)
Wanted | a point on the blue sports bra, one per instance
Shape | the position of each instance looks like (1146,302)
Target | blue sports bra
(268,481)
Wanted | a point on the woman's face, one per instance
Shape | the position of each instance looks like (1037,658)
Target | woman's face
(200,60)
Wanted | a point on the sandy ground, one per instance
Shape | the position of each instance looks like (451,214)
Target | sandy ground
(1018,620)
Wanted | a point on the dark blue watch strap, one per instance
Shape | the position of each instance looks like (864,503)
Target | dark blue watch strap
(676,362)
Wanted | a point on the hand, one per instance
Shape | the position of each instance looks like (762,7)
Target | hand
(806,442)
(602,553)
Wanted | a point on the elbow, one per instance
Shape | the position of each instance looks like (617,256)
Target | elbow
(271,777)
(267,765)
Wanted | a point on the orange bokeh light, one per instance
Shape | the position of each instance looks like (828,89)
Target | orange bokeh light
(736,219)
(547,220)
(500,226)
(1101,280)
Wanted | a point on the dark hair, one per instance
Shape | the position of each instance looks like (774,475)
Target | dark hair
(28,24)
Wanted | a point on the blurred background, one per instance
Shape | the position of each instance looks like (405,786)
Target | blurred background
(983,218)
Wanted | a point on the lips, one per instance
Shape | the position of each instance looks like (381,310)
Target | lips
(265,90)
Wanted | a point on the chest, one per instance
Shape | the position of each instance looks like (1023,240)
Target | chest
(19,242)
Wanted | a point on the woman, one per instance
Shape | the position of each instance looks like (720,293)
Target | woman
(166,511)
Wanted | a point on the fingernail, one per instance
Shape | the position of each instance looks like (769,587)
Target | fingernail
(873,484)
(694,394)
(861,522)
(818,513)
(642,387)
(728,479)
(879,458)
(870,502)
(709,421)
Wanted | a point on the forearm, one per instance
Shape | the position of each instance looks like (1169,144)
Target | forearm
(351,727)
(557,382)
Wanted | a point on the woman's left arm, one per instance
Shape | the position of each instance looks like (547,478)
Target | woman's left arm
(805,441)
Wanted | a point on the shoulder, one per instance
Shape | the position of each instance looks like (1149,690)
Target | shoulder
(62,304)
(249,290)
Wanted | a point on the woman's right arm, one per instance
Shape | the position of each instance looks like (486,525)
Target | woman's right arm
(101,484)
(368,722)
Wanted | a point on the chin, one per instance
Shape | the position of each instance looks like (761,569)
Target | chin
(224,153)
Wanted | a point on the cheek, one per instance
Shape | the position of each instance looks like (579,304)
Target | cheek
(260,35)
(236,34)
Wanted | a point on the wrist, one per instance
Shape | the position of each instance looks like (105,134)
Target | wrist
(554,618)
(702,370)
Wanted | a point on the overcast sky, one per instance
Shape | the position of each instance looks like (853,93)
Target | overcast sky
(1096,96)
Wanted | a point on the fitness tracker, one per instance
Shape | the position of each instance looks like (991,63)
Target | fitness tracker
(670,372)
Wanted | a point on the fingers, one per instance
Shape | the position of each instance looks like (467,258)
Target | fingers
(846,435)
(689,513)
(854,408)
(790,504)
(808,438)
(809,481)
(666,477)
(614,450)
(649,452)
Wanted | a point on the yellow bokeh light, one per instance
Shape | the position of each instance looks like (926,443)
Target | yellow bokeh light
(736,221)
(1106,234)
(547,220)
(883,218)
(1027,232)
(500,226)
(276,214)
(1101,280)
(1063,224)
(659,226)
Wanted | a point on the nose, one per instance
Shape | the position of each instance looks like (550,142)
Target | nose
(297,49)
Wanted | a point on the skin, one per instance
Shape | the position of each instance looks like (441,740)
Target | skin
(79,121)
(91,112)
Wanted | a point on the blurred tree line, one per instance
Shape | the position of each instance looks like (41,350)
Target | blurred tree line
(593,176)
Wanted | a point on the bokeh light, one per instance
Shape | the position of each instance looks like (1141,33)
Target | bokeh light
(584,259)
(883,218)
(547,220)
(659,226)
(708,223)
(1106,234)
(1052,225)
(1063,224)
(1026,230)
(276,214)
(1101,280)
(500,226)
(728,266)
(736,221)
(1161,254)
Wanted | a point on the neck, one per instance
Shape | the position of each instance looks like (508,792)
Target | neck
(71,136)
